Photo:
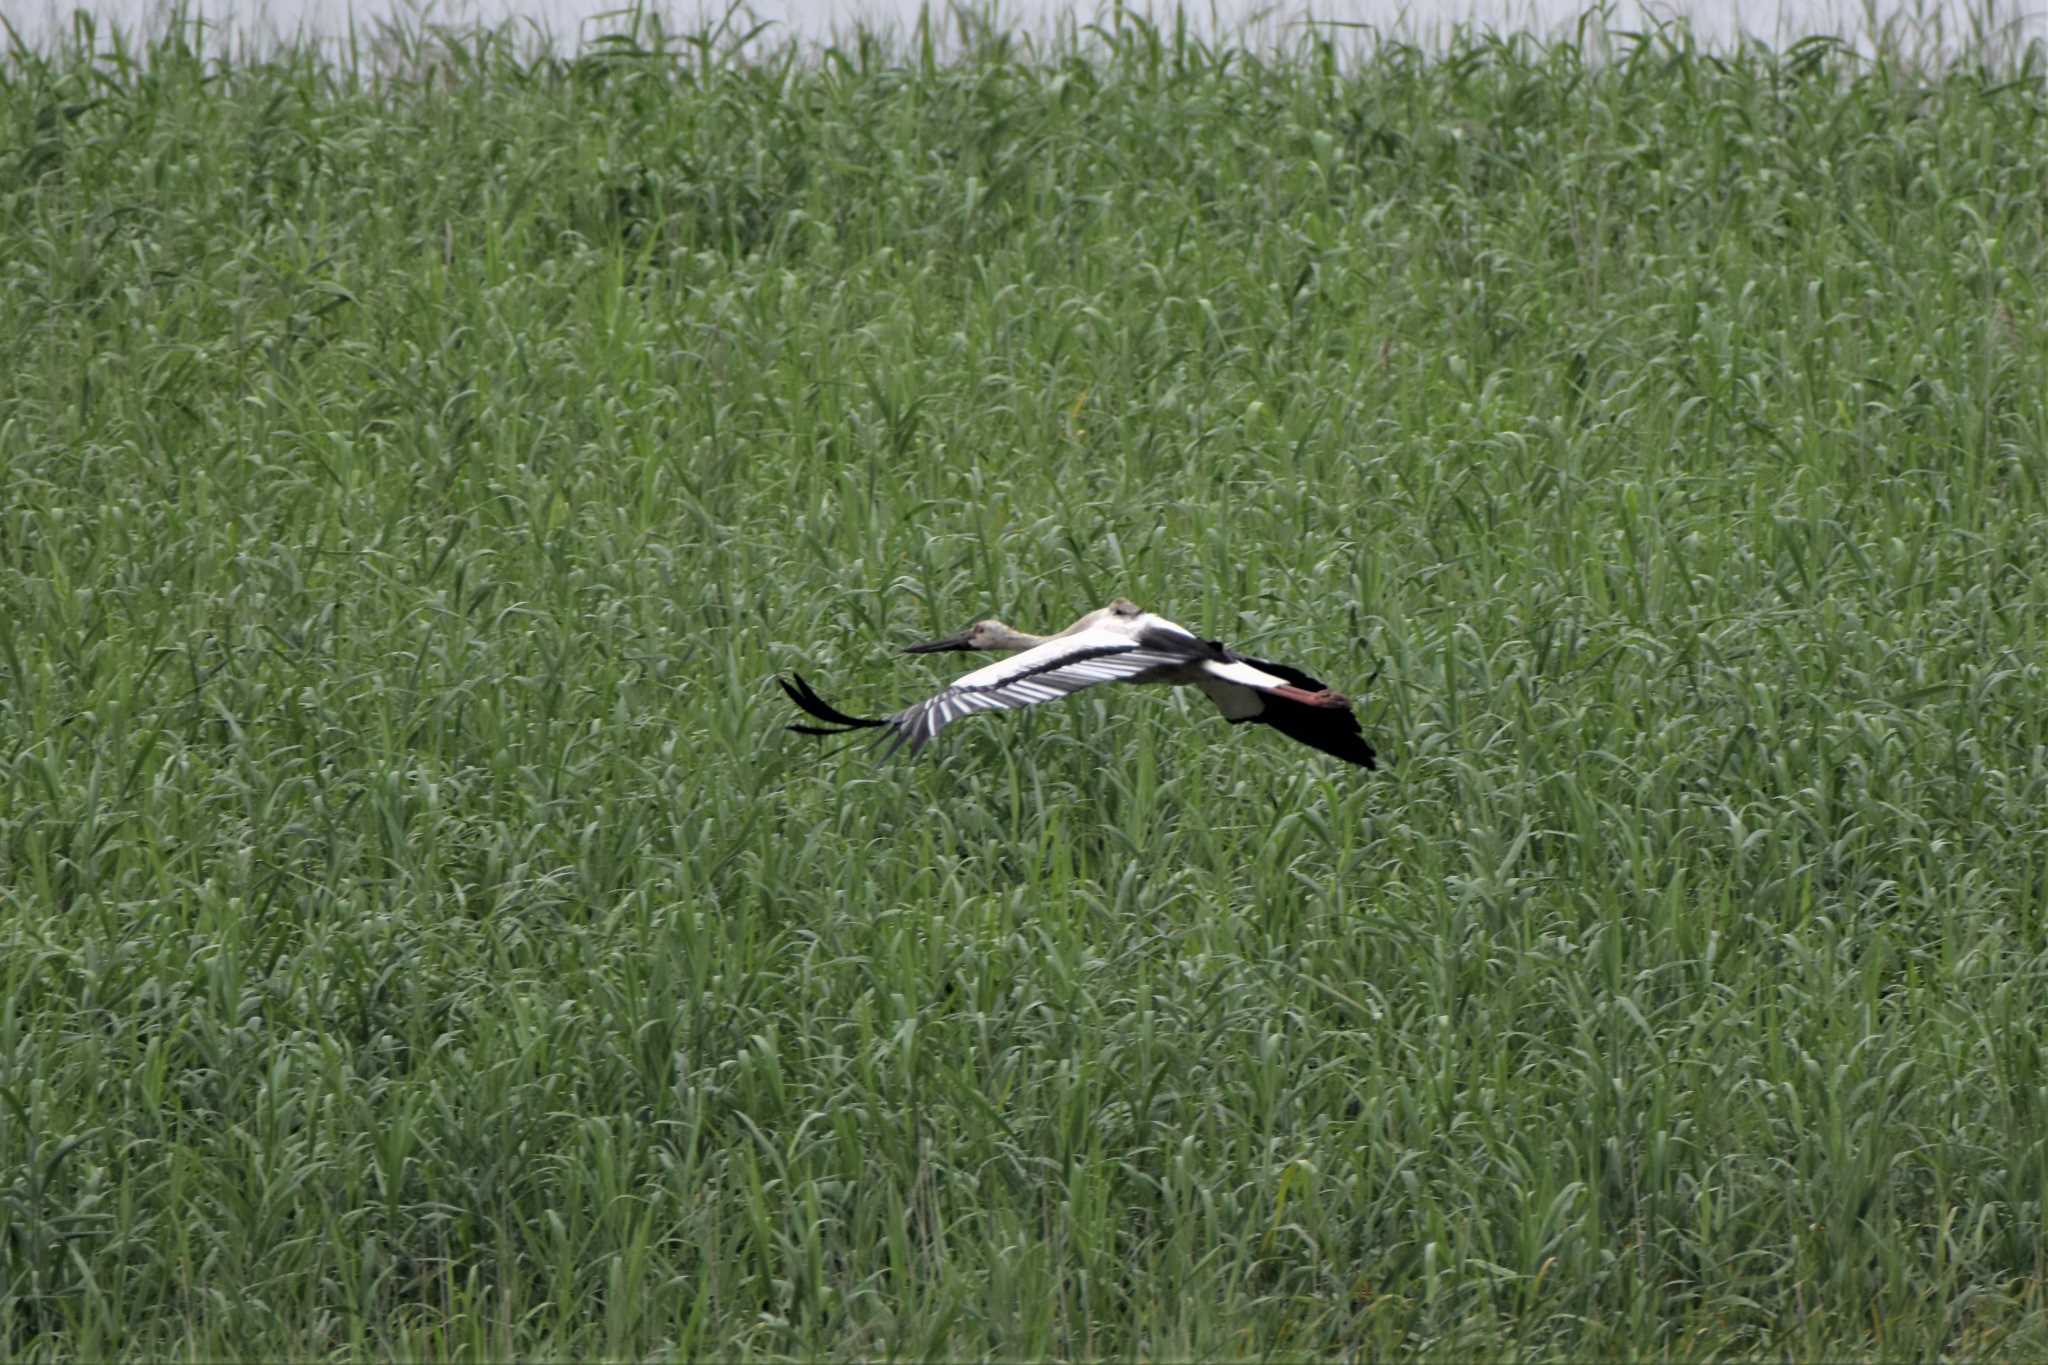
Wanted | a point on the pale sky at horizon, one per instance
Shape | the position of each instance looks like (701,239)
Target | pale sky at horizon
(1717,22)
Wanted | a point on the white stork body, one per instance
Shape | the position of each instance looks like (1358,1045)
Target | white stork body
(1119,643)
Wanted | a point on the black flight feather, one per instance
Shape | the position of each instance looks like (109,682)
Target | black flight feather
(817,706)
(1332,729)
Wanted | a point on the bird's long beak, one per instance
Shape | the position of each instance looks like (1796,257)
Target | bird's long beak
(950,643)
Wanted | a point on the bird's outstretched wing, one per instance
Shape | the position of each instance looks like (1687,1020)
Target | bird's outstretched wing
(1058,668)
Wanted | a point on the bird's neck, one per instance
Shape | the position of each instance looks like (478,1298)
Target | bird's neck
(1009,639)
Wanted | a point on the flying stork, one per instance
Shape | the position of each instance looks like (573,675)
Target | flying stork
(1120,643)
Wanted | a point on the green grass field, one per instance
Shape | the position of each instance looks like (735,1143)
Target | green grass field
(421,939)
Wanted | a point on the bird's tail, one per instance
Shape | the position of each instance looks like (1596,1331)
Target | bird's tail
(813,704)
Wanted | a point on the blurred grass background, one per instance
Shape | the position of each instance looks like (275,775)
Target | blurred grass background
(421,939)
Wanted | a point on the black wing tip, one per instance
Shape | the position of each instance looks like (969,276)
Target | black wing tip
(1360,753)
(1317,727)
(1357,753)
(817,707)
(1352,748)
(1332,729)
